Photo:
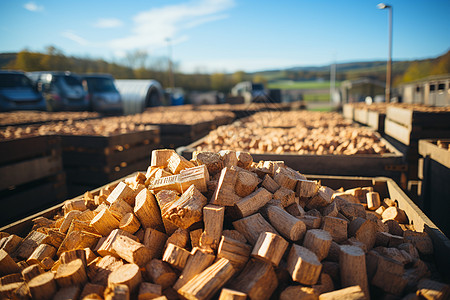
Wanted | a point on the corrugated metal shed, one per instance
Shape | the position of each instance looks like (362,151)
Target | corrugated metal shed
(139,94)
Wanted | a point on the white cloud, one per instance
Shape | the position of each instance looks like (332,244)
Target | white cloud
(31,6)
(152,28)
(108,23)
(74,37)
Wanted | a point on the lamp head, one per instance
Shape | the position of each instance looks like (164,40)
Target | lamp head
(383,6)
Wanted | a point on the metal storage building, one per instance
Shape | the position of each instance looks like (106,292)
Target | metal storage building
(139,94)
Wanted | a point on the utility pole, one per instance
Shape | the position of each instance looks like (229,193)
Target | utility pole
(389,63)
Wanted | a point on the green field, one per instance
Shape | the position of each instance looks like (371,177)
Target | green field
(296,85)
(316,97)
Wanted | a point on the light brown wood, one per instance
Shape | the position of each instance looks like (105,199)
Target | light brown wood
(147,210)
(29,244)
(286,177)
(197,176)
(318,241)
(78,240)
(250,204)
(352,264)
(197,262)
(363,230)
(213,217)
(287,225)
(165,198)
(306,188)
(208,282)
(176,256)
(128,274)
(7,264)
(105,222)
(245,159)
(224,194)
(258,280)
(47,263)
(76,225)
(180,238)
(160,157)
(71,255)
(31,271)
(337,227)
(71,274)
(234,234)
(75,204)
(43,286)
(176,163)
(269,184)
(325,283)
(252,226)
(161,273)
(210,159)
(322,198)
(41,252)
(228,294)
(104,246)
(229,158)
(70,292)
(236,252)
(149,290)
(195,237)
(73,214)
(303,265)
(154,241)
(166,183)
(311,222)
(420,240)
(10,243)
(286,196)
(11,278)
(349,293)
(122,192)
(130,250)
(270,247)
(129,223)
(395,213)
(91,288)
(117,292)
(98,272)
(299,292)
(10,290)
(373,200)
(120,208)
(389,275)
(431,289)
(246,183)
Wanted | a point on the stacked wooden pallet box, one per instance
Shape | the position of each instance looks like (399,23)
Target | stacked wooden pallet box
(434,176)
(206,230)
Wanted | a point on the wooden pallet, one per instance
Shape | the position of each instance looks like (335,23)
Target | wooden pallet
(391,165)
(435,192)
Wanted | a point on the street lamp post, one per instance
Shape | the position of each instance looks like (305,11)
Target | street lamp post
(389,63)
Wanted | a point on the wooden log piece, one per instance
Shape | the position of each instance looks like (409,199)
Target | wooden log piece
(71,274)
(322,198)
(122,192)
(229,158)
(318,241)
(10,243)
(75,204)
(32,271)
(228,294)
(289,226)
(29,244)
(373,200)
(352,264)
(130,250)
(225,195)
(250,204)
(303,265)
(176,163)
(395,213)
(207,283)
(236,252)
(98,272)
(161,273)
(91,288)
(252,226)
(43,286)
(213,217)
(258,280)
(186,210)
(210,159)
(71,255)
(311,222)
(160,157)
(128,274)
(105,222)
(117,292)
(299,292)
(165,198)
(47,263)
(120,208)
(41,252)
(337,227)
(306,188)
(349,293)
(154,241)
(389,276)
(197,176)
(234,234)
(176,256)
(269,184)
(104,246)
(245,159)
(129,223)
(7,264)
(180,238)
(364,231)
(68,220)
(270,247)
(149,290)
(431,289)
(286,196)
(420,240)
(246,183)
(70,292)
(166,183)
(147,210)
(197,262)
(195,237)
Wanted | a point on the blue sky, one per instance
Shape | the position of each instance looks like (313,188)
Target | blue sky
(228,35)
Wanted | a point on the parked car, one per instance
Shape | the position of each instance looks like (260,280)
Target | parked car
(18,93)
(102,93)
(61,90)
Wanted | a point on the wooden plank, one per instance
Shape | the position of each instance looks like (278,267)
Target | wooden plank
(424,119)
(400,115)
(26,148)
(397,131)
(361,115)
(30,170)
(348,111)
(429,148)
(376,120)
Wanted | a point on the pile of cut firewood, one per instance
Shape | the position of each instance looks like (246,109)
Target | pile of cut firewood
(221,226)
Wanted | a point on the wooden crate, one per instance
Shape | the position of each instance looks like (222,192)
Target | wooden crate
(348,111)
(435,191)
(385,186)
(391,165)
(361,115)
(91,161)
(376,120)
(176,135)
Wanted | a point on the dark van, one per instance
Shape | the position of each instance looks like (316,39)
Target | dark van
(102,93)
(18,93)
(61,90)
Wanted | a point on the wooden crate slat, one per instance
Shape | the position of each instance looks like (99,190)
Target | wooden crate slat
(25,148)
(397,131)
(361,115)
(428,148)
